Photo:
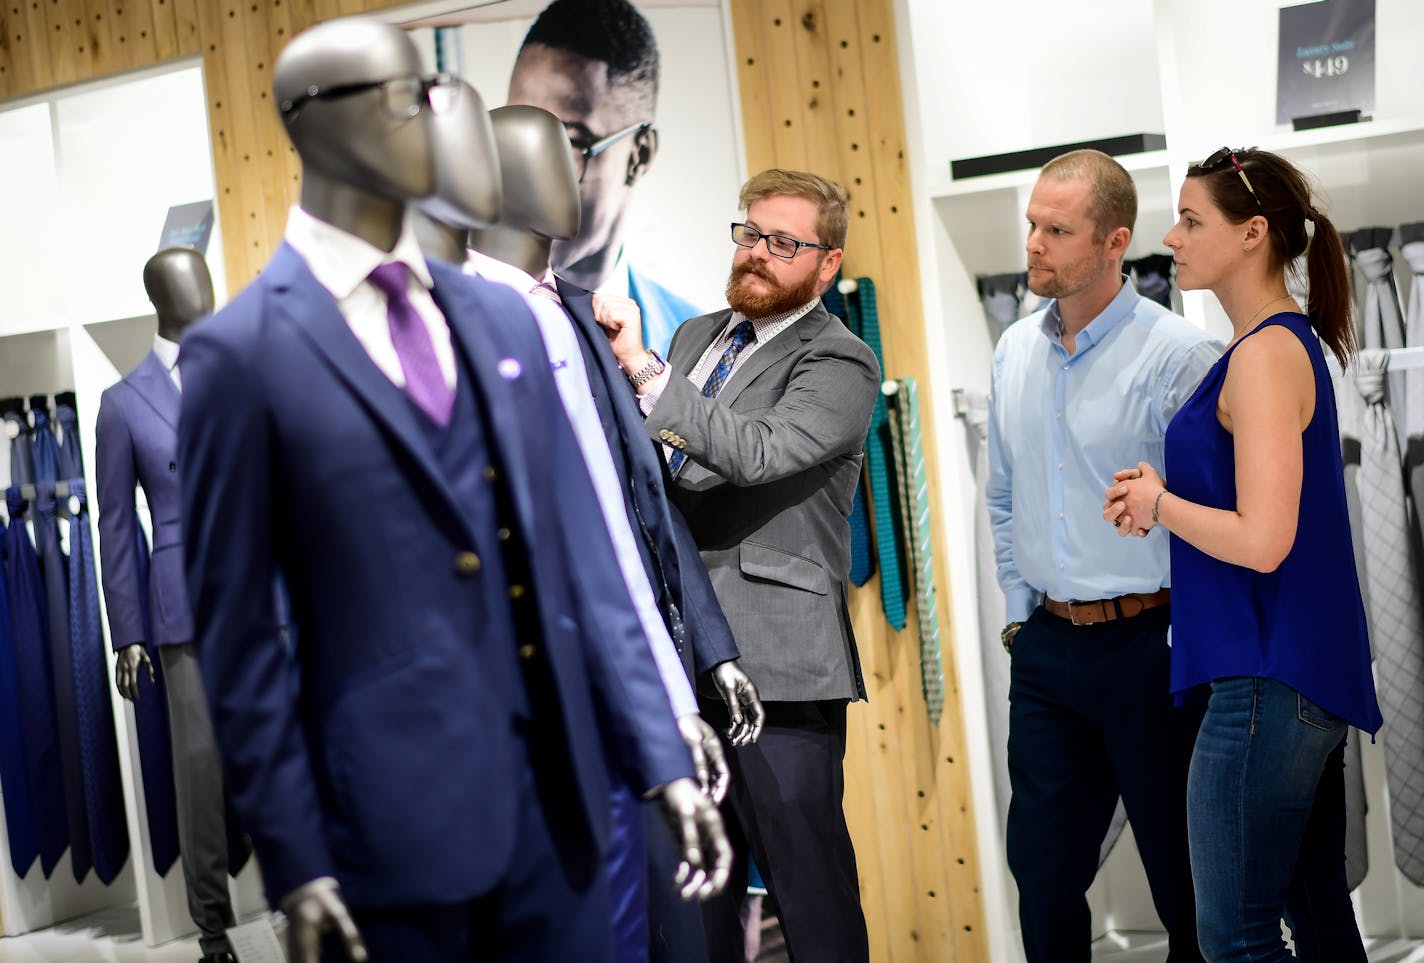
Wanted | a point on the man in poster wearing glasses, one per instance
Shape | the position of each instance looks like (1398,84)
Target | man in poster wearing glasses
(594,65)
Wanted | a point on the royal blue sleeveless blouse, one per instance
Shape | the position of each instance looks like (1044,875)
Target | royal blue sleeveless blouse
(1304,623)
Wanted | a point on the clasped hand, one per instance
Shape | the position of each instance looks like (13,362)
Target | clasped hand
(1128,501)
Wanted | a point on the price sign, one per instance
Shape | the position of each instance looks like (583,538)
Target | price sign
(1327,59)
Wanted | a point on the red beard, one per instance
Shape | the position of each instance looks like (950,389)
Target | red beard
(779,300)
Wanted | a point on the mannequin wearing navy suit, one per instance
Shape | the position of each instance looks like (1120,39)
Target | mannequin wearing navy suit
(540,203)
(435,773)
(136,439)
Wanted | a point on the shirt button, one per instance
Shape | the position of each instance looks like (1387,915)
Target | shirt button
(516,591)
(526,651)
(467,564)
(1058,414)
(503,534)
(1060,564)
(1060,514)
(490,473)
(1065,367)
(1060,466)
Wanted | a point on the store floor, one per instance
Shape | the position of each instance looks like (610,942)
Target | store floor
(109,936)
(1152,948)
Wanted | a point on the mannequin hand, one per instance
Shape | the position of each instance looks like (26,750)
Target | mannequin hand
(1129,499)
(131,659)
(697,827)
(708,759)
(743,703)
(621,320)
(312,909)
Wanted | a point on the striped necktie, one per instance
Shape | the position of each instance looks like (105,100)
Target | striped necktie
(742,335)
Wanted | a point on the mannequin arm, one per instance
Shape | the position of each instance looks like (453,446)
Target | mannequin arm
(312,909)
(697,828)
(708,758)
(743,703)
(131,660)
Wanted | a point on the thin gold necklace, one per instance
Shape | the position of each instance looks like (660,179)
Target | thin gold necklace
(1246,328)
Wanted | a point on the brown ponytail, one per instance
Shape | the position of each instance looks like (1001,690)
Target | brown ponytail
(1280,192)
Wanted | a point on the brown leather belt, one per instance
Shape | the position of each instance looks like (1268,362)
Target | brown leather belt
(1107,610)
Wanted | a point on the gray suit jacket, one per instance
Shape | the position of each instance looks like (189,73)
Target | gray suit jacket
(772,464)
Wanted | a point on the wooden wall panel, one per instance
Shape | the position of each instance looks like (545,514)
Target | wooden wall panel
(820,91)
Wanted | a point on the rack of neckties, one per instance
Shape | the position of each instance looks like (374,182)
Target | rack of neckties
(58,753)
(898,496)
(1381,401)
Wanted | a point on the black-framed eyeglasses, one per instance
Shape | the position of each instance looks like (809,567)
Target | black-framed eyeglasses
(585,150)
(1227,154)
(401,97)
(744,235)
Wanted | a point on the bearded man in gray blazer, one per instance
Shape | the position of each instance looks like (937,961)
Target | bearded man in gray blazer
(763,410)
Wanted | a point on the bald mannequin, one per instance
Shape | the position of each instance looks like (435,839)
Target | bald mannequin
(467,172)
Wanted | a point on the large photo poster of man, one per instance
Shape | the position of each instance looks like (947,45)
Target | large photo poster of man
(646,95)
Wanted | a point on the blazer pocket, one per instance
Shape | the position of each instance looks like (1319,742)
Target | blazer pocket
(773,564)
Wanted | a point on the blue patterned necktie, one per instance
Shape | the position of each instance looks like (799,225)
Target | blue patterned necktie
(742,335)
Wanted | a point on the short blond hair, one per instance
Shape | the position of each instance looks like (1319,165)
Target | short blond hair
(828,196)
(1114,195)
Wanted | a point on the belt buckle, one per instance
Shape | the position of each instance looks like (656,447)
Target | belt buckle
(1073,613)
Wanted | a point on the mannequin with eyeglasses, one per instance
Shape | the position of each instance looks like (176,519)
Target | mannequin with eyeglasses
(136,444)
(424,777)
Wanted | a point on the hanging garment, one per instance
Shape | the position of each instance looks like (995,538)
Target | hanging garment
(1396,623)
(29,621)
(865,323)
(14,773)
(1382,318)
(54,567)
(862,543)
(98,743)
(1153,276)
(1002,298)
(914,502)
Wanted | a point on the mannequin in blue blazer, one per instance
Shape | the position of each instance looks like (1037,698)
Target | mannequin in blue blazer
(429,766)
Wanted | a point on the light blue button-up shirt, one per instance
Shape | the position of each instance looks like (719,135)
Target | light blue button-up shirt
(1061,424)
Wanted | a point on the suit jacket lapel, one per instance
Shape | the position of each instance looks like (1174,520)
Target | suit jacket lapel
(308,307)
(483,342)
(155,385)
(804,329)
(693,338)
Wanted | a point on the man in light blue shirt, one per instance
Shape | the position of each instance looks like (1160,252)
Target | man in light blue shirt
(1081,388)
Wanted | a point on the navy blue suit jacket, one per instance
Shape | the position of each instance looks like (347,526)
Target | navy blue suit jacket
(391,764)
(136,444)
(691,588)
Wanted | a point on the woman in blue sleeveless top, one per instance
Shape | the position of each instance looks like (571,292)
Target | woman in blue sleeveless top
(1267,621)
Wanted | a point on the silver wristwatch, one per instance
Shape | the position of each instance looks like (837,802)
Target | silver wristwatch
(647,372)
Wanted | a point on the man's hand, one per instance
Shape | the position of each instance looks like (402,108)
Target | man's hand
(743,703)
(708,759)
(312,909)
(132,659)
(621,320)
(697,829)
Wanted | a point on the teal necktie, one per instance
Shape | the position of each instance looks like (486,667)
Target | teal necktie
(865,321)
(915,513)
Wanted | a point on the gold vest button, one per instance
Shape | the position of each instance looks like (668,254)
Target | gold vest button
(467,563)
(490,473)
(516,592)
(526,651)
(503,534)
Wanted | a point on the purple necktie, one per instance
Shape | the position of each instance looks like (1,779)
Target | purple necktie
(424,381)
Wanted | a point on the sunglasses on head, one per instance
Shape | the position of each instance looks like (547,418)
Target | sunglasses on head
(1221,157)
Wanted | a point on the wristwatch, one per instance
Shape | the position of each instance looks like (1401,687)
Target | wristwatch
(647,372)
(1007,635)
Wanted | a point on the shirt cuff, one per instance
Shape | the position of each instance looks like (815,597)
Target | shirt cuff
(1020,603)
(648,400)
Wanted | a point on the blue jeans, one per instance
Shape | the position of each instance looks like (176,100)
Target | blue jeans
(1266,825)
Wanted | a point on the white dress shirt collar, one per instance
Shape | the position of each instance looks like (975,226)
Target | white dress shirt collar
(495,270)
(340,260)
(167,351)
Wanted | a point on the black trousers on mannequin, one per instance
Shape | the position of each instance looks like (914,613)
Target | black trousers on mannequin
(202,813)
(784,808)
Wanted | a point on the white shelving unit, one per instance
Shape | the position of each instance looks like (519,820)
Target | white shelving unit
(91,172)
(984,79)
